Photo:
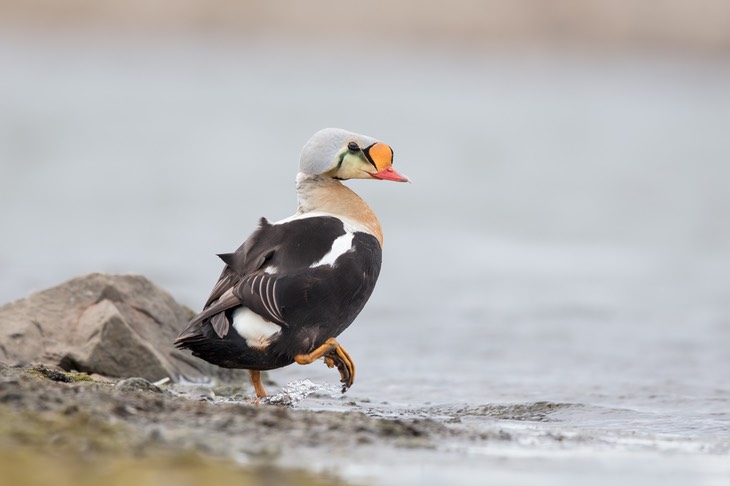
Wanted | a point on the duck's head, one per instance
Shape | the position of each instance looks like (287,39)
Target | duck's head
(340,154)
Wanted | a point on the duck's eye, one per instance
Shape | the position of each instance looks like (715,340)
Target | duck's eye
(353,147)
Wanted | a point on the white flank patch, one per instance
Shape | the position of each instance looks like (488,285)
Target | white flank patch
(253,328)
(340,246)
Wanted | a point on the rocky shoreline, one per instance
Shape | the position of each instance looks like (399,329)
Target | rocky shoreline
(46,412)
(70,394)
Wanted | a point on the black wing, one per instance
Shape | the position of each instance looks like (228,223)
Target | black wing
(269,273)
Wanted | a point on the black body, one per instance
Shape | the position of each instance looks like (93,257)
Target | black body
(270,274)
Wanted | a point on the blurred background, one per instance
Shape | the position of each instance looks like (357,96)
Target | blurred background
(145,136)
(569,217)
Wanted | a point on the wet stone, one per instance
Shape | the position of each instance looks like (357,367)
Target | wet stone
(137,384)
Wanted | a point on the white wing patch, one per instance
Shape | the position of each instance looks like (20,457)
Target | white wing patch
(257,332)
(340,246)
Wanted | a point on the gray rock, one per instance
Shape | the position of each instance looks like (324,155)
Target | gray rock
(113,325)
(137,384)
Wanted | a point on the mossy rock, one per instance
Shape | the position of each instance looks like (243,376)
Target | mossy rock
(54,374)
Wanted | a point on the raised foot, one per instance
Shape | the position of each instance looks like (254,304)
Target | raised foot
(334,355)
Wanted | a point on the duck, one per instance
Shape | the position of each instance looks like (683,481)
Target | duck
(295,285)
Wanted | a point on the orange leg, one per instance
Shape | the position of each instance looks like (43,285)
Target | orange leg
(334,355)
(257,385)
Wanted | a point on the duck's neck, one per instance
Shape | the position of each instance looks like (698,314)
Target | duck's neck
(321,194)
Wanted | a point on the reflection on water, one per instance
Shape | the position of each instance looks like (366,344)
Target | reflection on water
(565,239)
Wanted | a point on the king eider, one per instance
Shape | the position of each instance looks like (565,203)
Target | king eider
(294,285)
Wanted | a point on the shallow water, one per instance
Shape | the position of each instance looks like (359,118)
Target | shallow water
(556,278)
